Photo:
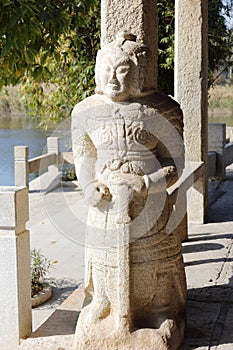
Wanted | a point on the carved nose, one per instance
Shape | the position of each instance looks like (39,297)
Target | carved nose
(113,78)
(113,81)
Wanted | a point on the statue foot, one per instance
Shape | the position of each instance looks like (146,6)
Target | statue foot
(172,333)
(99,309)
(167,327)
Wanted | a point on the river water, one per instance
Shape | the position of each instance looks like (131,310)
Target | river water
(18,132)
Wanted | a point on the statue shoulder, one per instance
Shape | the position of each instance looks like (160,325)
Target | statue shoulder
(167,107)
(84,111)
(86,104)
(161,102)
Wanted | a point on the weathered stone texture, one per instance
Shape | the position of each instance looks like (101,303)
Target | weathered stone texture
(191,91)
(21,166)
(128,149)
(191,74)
(14,209)
(138,17)
(15,291)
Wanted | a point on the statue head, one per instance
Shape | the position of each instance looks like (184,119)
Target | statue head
(120,68)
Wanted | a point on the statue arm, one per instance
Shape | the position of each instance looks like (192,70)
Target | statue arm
(161,179)
(85,160)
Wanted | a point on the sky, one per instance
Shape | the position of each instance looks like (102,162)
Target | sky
(229,20)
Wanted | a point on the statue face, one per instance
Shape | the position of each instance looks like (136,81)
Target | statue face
(115,80)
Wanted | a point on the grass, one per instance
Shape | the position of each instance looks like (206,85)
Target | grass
(10,102)
(221,99)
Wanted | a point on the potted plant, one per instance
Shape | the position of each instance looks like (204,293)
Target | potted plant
(41,291)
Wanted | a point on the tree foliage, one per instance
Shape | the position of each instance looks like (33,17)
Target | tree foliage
(166,9)
(29,27)
(49,46)
(59,80)
(220,40)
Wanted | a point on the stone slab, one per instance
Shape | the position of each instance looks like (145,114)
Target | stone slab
(15,292)
(216,136)
(14,209)
(227,334)
(58,331)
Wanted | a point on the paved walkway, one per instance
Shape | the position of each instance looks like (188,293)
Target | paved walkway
(208,256)
(58,234)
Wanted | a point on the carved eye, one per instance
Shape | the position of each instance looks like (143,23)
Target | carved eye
(122,70)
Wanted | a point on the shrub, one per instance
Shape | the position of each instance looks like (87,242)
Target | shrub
(40,266)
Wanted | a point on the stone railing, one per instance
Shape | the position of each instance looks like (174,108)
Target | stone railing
(51,160)
(220,146)
(15,288)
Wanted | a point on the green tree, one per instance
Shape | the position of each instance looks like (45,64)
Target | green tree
(220,40)
(59,80)
(50,47)
(29,27)
(166,9)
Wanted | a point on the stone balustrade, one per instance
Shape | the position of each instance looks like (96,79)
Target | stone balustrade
(15,291)
(51,160)
(220,146)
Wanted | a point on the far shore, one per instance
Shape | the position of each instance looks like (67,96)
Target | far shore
(19,114)
(14,115)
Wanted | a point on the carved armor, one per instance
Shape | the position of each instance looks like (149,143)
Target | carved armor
(128,149)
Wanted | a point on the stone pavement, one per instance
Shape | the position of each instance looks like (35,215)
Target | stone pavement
(58,231)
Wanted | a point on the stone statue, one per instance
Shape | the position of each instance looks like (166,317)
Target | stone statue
(128,150)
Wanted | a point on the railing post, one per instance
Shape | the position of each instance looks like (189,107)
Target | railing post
(15,287)
(21,166)
(53,147)
(216,143)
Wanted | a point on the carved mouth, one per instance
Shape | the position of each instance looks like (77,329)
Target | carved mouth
(113,86)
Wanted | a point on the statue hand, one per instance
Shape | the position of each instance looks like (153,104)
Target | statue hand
(95,192)
(161,179)
(170,174)
(135,182)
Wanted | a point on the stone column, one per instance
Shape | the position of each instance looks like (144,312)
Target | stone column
(191,91)
(21,166)
(138,17)
(15,287)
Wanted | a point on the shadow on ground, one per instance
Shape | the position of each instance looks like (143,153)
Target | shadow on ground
(222,208)
(62,288)
(209,317)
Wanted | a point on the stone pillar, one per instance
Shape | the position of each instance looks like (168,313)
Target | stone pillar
(138,17)
(21,166)
(191,91)
(15,287)
(53,147)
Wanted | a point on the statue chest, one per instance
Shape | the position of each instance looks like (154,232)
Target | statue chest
(123,135)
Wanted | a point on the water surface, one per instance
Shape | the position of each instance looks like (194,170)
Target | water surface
(18,132)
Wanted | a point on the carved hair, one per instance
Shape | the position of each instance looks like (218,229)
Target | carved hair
(126,49)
